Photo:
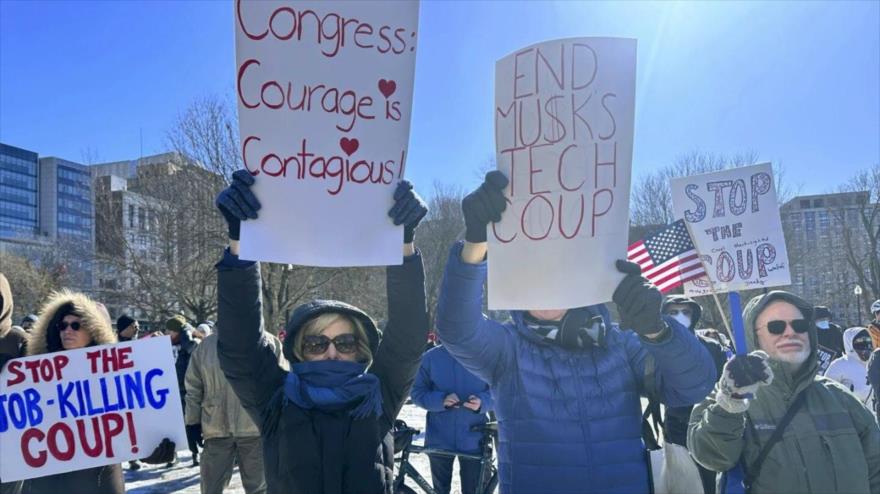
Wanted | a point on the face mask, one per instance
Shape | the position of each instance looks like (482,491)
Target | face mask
(683,319)
(823,324)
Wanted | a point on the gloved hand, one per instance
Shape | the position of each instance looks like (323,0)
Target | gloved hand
(195,432)
(238,203)
(638,301)
(484,205)
(408,209)
(741,378)
(164,453)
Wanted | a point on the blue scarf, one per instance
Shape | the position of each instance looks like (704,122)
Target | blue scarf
(334,385)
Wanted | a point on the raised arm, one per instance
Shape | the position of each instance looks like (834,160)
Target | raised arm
(400,351)
(246,354)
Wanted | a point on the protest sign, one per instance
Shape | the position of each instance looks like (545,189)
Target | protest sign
(563,136)
(95,406)
(324,102)
(734,221)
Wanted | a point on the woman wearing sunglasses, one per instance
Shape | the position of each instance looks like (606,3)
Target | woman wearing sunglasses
(325,424)
(831,442)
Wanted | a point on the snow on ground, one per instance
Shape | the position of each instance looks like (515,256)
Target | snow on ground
(184,478)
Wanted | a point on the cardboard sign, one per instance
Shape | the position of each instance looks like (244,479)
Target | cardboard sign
(734,221)
(324,102)
(563,136)
(85,408)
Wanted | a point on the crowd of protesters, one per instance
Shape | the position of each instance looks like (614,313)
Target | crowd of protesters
(314,411)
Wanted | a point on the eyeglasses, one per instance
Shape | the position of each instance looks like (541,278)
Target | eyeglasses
(778,327)
(75,325)
(318,344)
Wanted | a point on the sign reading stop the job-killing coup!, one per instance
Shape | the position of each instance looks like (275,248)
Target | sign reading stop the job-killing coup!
(324,102)
(734,219)
(563,136)
(85,408)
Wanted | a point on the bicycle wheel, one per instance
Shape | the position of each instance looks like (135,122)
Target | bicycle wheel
(405,489)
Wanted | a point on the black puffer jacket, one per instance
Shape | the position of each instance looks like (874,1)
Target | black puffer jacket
(314,451)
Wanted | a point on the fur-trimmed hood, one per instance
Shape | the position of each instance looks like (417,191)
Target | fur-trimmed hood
(44,336)
(5,306)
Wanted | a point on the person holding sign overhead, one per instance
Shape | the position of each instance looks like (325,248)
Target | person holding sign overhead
(68,321)
(326,423)
(776,426)
(567,383)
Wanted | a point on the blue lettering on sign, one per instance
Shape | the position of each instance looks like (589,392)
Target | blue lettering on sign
(20,410)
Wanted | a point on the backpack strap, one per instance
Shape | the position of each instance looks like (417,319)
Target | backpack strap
(752,473)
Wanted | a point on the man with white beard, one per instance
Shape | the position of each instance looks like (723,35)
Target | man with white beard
(773,424)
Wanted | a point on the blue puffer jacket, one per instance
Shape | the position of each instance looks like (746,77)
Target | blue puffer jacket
(440,375)
(569,421)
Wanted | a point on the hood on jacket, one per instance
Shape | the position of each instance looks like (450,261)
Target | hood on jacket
(315,308)
(756,305)
(849,336)
(45,337)
(682,300)
(5,306)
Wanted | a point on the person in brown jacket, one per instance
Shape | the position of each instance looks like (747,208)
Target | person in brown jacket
(12,342)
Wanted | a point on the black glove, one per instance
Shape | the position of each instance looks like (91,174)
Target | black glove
(408,209)
(638,301)
(4,357)
(194,432)
(484,205)
(741,378)
(238,203)
(164,453)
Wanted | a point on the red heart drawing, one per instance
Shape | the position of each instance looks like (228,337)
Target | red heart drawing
(387,88)
(349,145)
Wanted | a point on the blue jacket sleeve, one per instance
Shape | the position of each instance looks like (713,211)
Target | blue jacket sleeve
(482,346)
(487,404)
(423,392)
(678,369)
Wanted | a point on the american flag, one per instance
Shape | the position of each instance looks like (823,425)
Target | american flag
(668,258)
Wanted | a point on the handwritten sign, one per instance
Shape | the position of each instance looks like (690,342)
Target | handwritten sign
(324,101)
(95,406)
(734,220)
(563,136)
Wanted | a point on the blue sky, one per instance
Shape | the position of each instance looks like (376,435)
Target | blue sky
(796,82)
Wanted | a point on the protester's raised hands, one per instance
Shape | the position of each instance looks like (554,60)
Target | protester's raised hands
(238,203)
(741,378)
(408,209)
(164,453)
(483,206)
(638,301)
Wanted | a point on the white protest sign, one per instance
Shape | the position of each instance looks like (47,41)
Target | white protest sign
(85,408)
(563,136)
(734,220)
(324,103)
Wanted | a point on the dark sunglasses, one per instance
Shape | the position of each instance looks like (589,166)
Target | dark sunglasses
(75,325)
(862,345)
(798,325)
(318,344)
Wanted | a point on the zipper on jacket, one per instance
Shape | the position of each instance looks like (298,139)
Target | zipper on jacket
(827,447)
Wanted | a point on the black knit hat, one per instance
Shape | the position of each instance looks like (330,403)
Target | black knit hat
(123,322)
(821,312)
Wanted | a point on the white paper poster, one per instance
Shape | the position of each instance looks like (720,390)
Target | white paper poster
(324,101)
(734,220)
(564,114)
(85,408)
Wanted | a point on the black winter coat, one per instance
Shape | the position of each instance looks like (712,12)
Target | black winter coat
(313,451)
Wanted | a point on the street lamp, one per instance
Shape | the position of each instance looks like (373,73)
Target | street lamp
(858,293)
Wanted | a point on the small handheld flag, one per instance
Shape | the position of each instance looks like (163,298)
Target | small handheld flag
(667,258)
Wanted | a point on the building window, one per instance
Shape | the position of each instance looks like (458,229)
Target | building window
(805,204)
(131,216)
(818,203)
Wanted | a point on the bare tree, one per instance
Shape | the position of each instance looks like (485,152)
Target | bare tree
(651,197)
(858,231)
(440,229)
(31,281)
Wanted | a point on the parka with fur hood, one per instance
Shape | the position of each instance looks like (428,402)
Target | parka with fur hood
(12,340)
(45,338)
